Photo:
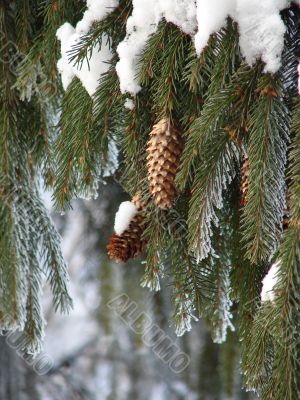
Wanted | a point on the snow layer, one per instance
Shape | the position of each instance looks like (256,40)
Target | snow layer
(261,31)
(260,25)
(269,282)
(211,16)
(97,10)
(91,70)
(141,25)
(127,211)
(129,104)
(180,12)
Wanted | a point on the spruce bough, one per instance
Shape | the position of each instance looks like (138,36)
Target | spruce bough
(216,241)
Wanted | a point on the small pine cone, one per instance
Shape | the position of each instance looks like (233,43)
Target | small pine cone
(244,180)
(129,244)
(164,150)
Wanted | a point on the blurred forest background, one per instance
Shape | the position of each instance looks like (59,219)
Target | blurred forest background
(95,355)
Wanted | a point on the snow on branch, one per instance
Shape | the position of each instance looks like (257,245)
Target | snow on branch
(143,22)
(90,71)
(260,26)
(269,282)
(97,10)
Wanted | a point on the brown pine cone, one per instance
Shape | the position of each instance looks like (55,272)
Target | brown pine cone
(164,151)
(129,244)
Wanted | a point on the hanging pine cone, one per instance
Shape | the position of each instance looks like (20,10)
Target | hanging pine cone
(244,180)
(129,244)
(164,150)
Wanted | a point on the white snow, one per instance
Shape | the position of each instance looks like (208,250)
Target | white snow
(269,281)
(97,10)
(211,17)
(91,70)
(129,104)
(261,31)
(141,25)
(63,34)
(260,26)
(180,12)
(127,211)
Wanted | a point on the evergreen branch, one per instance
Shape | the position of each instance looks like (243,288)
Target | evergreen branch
(260,353)
(12,308)
(269,124)
(22,276)
(48,240)
(275,371)
(86,127)
(112,28)
(108,111)
(154,268)
(34,326)
(73,147)
(20,208)
(194,284)
(286,368)
(37,71)
(149,64)
(218,310)
(229,107)
(294,159)
(196,76)
(272,365)
(24,20)
(55,266)
(11,250)
(215,172)
(137,125)
(227,57)
(192,288)
(198,70)
(290,56)
(170,60)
